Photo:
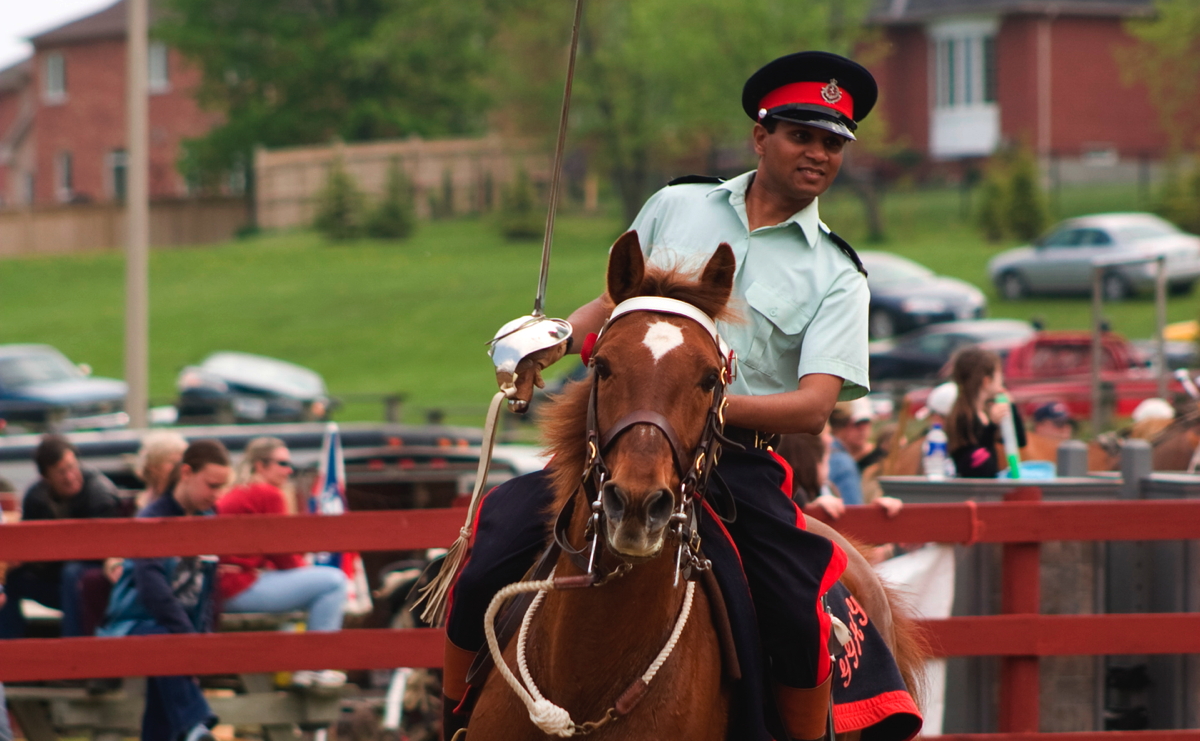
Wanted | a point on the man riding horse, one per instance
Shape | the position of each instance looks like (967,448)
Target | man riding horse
(801,347)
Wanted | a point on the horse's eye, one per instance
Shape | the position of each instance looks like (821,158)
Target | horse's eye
(710,381)
(600,365)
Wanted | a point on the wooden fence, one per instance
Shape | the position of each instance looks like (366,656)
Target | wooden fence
(458,176)
(1019,636)
(89,227)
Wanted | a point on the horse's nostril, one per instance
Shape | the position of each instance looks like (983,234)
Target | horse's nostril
(614,501)
(658,510)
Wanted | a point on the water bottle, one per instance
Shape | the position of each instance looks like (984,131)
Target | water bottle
(1008,433)
(934,455)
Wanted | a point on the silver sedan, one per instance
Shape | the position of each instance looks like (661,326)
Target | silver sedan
(1060,262)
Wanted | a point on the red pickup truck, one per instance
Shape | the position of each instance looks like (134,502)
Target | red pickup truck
(1057,366)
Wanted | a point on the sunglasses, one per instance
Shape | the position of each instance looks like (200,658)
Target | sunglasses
(282,464)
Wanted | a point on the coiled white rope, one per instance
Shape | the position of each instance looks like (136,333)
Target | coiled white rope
(547,716)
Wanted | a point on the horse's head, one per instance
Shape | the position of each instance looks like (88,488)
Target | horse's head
(658,377)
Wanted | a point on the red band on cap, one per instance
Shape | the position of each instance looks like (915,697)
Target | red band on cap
(826,94)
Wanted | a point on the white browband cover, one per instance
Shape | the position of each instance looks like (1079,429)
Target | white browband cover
(661,305)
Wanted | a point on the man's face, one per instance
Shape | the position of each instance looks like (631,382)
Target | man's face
(1055,429)
(65,478)
(798,161)
(855,436)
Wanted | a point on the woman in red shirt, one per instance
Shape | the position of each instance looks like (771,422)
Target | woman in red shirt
(278,582)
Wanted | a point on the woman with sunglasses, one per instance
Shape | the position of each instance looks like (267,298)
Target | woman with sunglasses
(278,583)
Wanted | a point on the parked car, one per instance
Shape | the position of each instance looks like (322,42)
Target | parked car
(1060,262)
(231,387)
(906,295)
(41,390)
(921,354)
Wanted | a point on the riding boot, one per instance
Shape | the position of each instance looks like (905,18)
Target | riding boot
(805,711)
(455,665)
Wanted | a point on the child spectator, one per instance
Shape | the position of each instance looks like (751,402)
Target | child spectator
(282,582)
(65,491)
(155,596)
(973,425)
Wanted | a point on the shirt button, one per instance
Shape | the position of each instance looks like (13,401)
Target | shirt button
(773,312)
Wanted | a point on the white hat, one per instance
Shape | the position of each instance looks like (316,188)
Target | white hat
(940,400)
(1153,408)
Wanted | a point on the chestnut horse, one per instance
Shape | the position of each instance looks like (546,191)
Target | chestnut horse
(644,418)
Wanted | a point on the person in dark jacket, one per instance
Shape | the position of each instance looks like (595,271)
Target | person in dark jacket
(156,596)
(973,426)
(65,491)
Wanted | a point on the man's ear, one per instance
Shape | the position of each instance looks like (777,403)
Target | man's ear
(759,135)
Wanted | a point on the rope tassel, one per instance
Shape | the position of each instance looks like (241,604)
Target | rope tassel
(436,593)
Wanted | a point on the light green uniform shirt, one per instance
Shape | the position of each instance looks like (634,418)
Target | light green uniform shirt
(802,302)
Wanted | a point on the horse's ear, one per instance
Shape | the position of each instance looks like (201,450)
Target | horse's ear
(626,267)
(718,273)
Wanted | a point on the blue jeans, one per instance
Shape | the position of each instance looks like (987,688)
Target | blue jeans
(25,583)
(174,705)
(318,590)
(5,728)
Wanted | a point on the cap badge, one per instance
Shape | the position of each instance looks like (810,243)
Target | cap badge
(831,93)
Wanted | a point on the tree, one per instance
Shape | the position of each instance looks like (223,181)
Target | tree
(1166,60)
(394,217)
(657,79)
(339,205)
(292,72)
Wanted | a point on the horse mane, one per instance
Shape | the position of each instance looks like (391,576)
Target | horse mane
(565,424)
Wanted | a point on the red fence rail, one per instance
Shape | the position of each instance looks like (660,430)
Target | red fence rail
(1020,635)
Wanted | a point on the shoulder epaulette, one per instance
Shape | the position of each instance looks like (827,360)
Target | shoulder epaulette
(845,247)
(692,179)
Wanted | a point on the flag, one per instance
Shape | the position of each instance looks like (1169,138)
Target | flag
(329,498)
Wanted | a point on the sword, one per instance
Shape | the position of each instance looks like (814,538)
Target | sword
(528,334)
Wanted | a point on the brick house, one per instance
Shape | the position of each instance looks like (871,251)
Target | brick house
(963,77)
(62,115)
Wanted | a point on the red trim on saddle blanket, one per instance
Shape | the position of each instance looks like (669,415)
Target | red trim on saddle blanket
(474,531)
(854,716)
(728,538)
(788,486)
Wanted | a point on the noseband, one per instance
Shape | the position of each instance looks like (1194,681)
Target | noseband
(693,468)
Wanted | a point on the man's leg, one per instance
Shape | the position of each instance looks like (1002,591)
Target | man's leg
(788,570)
(320,590)
(510,532)
(71,594)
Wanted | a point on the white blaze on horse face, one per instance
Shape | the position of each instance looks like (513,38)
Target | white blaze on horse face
(661,338)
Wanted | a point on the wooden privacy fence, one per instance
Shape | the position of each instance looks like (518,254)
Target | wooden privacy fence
(87,227)
(1019,636)
(453,176)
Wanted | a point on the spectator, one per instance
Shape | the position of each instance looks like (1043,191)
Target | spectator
(161,451)
(973,426)
(282,582)
(843,469)
(1053,420)
(851,425)
(65,491)
(156,596)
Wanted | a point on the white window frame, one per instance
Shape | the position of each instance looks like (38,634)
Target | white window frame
(960,62)
(54,84)
(114,160)
(158,74)
(64,176)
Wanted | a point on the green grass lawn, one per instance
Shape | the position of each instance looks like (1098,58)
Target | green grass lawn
(412,317)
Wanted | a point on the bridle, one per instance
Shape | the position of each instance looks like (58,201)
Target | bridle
(693,467)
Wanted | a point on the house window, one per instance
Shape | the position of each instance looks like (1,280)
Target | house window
(116,174)
(55,88)
(966,70)
(966,115)
(159,75)
(64,176)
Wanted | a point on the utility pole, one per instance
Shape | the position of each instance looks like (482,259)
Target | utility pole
(137,221)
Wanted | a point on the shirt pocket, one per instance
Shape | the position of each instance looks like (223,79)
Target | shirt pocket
(778,323)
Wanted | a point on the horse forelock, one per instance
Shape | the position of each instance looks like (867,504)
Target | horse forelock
(564,428)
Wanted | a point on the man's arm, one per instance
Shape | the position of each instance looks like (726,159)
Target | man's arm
(804,410)
(587,319)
